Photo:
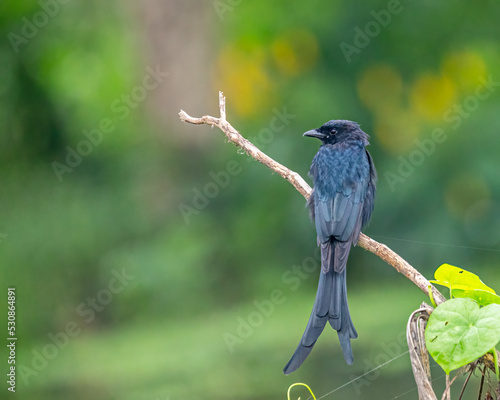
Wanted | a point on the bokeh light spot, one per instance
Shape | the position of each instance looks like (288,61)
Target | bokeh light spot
(465,68)
(241,74)
(432,95)
(295,51)
(398,133)
(380,88)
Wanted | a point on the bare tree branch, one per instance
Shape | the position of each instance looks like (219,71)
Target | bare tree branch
(379,249)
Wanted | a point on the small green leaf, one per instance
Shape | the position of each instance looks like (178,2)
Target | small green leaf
(459,332)
(457,278)
(482,297)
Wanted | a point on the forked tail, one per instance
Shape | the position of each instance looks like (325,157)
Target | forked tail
(330,305)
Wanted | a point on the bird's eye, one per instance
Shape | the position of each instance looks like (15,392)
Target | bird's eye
(333,132)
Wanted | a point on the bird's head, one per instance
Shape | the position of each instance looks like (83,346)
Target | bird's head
(338,130)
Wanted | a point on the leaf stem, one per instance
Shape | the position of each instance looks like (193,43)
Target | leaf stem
(431,296)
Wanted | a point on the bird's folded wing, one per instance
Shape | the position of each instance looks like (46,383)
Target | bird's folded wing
(340,216)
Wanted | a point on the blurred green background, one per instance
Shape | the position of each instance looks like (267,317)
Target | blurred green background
(146,253)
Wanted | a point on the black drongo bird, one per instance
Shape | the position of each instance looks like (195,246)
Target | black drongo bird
(340,205)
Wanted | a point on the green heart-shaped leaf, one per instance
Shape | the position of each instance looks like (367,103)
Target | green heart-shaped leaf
(482,297)
(458,278)
(459,332)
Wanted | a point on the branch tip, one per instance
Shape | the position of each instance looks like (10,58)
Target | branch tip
(222,106)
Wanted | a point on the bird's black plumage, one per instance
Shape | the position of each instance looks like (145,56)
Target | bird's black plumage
(341,204)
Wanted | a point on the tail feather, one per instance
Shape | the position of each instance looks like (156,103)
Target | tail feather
(330,305)
(336,310)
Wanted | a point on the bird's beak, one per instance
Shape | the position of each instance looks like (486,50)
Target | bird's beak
(314,133)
